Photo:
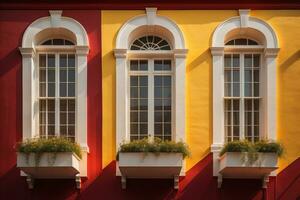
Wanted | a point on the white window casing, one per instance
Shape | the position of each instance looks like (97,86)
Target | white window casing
(243,25)
(129,31)
(39,30)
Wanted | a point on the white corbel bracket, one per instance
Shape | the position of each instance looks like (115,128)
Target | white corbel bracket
(244,17)
(55,17)
(120,53)
(151,15)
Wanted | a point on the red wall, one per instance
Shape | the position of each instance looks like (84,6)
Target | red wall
(198,184)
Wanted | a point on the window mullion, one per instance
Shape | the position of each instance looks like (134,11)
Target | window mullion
(242,106)
(57,111)
(151,98)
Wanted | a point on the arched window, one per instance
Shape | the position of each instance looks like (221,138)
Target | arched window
(241,41)
(150,42)
(150,77)
(57,41)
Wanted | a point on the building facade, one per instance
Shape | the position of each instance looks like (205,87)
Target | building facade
(104,73)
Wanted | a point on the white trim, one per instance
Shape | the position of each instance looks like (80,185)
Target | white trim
(178,55)
(55,22)
(243,23)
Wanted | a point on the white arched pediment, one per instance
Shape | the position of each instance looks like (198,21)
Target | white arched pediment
(149,19)
(243,22)
(55,21)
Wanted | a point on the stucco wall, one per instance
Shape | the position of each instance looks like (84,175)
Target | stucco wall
(198,27)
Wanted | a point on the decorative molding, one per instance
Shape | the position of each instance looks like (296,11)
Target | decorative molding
(244,17)
(55,18)
(271,52)
(30,52)
(151,15)
(180,53)
(82,50)
(120,53)
(217,51)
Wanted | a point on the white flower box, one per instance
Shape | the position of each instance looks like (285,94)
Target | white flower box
(150,165)
(238,165)
(49,165)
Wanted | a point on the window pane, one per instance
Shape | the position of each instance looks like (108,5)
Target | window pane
(133,80)
(71,61)
(134,92)
(167,104)
(71,118)
(227,75)
(248,75)
(158,116)
(236,118)
(167,116)
(143,104)
(63,118)
(248,60)
(51,75)
(71,75)
(143,92)
(256,75)
(134,129)
(143,81)
(248,89)
(256,60)
(63,60)
(63,105)
(143,129)
(158,81)
(158,65)
(158,104)
(71,89)
(51,118)
(143,65)
(63,89)
(236,76)
(143,116)
(167,80)
(167,65)
(134,65)
(227,61)
(51,60)
(256,89)
(42,89)
(236,89)
(51,89)
(42,75)
(71,105)
(157,92)
(63,75)
(236,60)
(166,92)
(167,129)
(51,130)
(42,60)
(134,104)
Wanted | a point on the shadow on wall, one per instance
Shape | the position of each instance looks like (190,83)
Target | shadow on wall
(198,184)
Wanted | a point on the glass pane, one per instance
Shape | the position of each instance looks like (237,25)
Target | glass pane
(167,65)
(63,60)
(71,61)
(58,42)
(158,81)
(51,130)
(248,118)
(227,89)
(236,118)
(42,89)
(143,129)
(134,116)
(248,104)
(167,81)
(167,129)
(256,118)
(42,131)
(248,89)
(256,104)
(51,75)
(63,105)
(42,105)
(42,117)
(158,129)
(143,116)
(143,104)
(227,61)
(71,75)
(42,75)
(240,41)
(51,118)
(71,118)
(158,104)
(134,92)
(167,104)
(143,65)
(236,76)
(63,130)
(158,65)
(134,65)
(256,89)
(236,60)
(51,89)
(63,89)
(143,92)
(71,105)
(134,129)
(71,89)
(157,92)
(256,59)
(143,80)
(51,60)
(63,75)
(63,118)
(248,60)
(167,116)
(236,105)
(256,75)
(42,60)
(166,92)
(71,130)
(236,89)
(227,75)
(248,75)
(236,131)
(158,116)
(51,105)
(133,80)
(134,104)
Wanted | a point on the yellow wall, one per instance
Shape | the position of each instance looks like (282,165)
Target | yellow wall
(198,27)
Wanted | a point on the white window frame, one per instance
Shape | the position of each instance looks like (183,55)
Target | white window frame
(270,49)
(172,32)
(30,83)
(151,73)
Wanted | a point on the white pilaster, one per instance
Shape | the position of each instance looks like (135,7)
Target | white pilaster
(29,81)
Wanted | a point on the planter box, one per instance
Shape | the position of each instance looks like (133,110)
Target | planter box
(150,165)
(49,165)
(237,165)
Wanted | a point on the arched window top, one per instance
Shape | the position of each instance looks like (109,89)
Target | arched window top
(241,41)
(150,42)
(57,41)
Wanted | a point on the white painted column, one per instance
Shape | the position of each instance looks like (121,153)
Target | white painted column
(218,105)
(81,96)
(29,93)
(121,97)
(179,85)
(271,98)
(81,107)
